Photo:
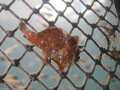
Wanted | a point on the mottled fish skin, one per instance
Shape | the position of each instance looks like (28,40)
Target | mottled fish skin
(117,6)
(56,44)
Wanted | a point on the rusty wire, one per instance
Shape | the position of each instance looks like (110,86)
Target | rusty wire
(29,48)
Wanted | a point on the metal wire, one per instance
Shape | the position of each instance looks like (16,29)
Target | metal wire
(113,54)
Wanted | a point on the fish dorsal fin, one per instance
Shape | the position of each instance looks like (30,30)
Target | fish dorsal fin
(76,38)
(22,26)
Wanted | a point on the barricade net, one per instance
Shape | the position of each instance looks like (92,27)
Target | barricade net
(94,21)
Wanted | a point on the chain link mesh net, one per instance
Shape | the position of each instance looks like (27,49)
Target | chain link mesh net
(94,21)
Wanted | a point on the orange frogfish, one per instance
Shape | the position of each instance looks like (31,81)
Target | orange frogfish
(56,44)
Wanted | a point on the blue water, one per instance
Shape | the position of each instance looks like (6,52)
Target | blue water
(31,63)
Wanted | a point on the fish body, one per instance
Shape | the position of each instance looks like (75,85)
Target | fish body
(56,44)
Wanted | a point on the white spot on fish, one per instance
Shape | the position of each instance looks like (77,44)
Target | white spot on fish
(48,39)
(42,42)
(60,61)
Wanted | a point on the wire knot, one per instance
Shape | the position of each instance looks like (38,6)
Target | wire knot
(60,13)
(10,33)
(45,1)
(111,73)
(88,74)
(103,50)
(36,11)
(6,7)
(33,76)
(16,63)
(68,4)
(106,87)
(62,75)
(74,25)
(29,47)
(51,23)
(1,79)
(97,62)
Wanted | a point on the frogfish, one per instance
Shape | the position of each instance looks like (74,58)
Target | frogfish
(56,44)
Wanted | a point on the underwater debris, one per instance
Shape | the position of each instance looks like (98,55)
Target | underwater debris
(9,76)
(54,78)
(9,50)
(42,76)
